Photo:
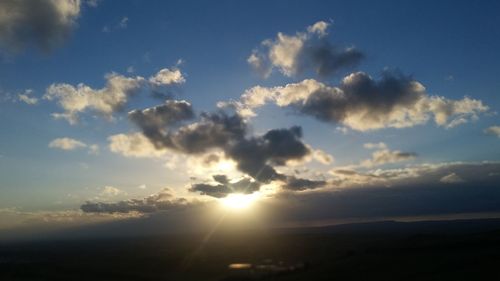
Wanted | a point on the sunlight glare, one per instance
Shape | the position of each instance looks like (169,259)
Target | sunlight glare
(239,201)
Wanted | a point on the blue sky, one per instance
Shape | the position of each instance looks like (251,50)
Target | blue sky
(450,47)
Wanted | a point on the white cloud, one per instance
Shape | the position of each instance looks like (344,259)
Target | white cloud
(27,97)
(292,54)
(379,145)
(105,101)
(320,28)
(451,178)
(66,144)
(123,22)
(72,144)
(419,175)
(386,156)
(94,149)
(322,157)
(13,218)
(110,191)
(134,145)
(493,130)
(92,3)
(167,77)
(383,155)
(284,52)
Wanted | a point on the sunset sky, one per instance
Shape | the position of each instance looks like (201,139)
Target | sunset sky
(307,111)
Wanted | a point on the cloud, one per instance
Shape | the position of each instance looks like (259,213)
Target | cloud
(27,97)
(417,175)
(44,24)
(12,218)
(223,187)
(410,192)
(299,184)
(323,157)
(134,145)
(451,178)
(154,121)
(293,54)
(93,3)
(379,145)
(167,76)
(161,201)
(212,130)
(385,156)
(363,103)
(94,149)
(66,144)
(104,101)
(255,156)
(319,28)
(122,24)
(398,193)
(493,130)
(72,144)
(108,100)
(111,191)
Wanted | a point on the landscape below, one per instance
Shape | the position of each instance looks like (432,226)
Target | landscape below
(432,250)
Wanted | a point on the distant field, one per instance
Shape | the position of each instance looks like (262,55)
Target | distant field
(364,252)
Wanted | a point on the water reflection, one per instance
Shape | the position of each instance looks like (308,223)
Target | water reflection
(240,266)
(264,268)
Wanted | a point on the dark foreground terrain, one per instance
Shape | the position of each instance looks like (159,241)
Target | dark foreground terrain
(456,250)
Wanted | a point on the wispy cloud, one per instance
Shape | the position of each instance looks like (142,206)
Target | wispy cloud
(73,144)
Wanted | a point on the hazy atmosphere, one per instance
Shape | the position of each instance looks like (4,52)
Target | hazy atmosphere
(311,113)
(134,118)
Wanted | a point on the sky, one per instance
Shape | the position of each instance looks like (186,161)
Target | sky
(310,111)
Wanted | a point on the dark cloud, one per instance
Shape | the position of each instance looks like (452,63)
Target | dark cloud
(364,103)
(255,156)
(359,92)
(161,201)
(222,179)
(214,190)
(215,130)
(326,58)
(224,187)
(299,184)
(415,191)
(43,23)
(155,121)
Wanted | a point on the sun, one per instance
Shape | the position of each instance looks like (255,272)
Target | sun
(239,201)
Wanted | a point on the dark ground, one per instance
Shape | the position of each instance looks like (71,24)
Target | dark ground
(453,250)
